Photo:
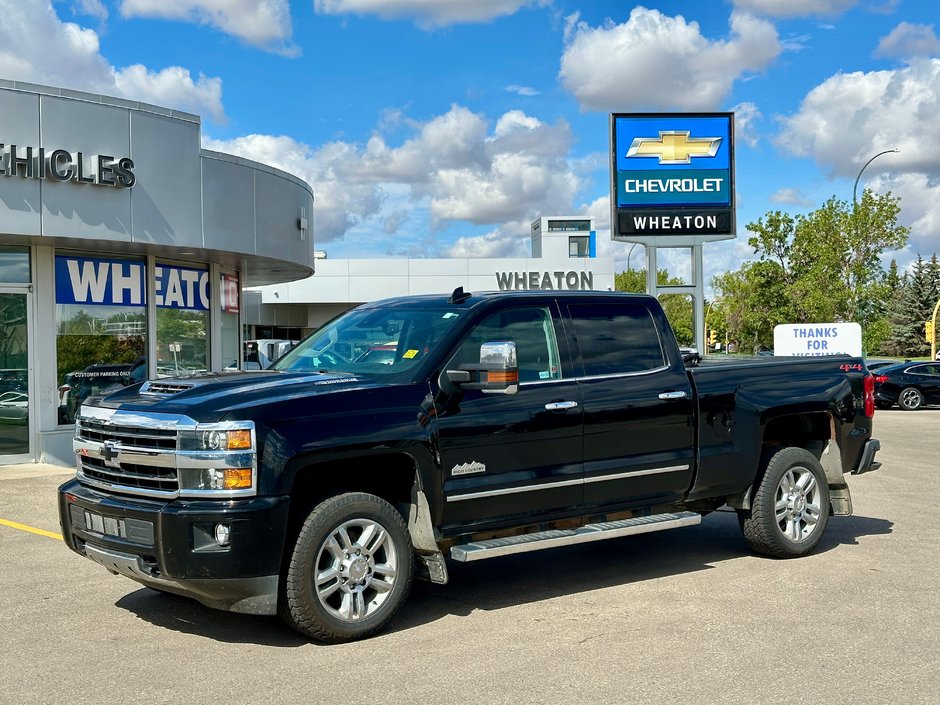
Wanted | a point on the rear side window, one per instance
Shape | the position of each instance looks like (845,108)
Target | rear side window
(616,338)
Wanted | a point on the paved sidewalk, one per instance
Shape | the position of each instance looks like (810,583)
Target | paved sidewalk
(18,472)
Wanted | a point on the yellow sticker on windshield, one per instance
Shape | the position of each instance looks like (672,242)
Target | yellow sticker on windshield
(409,354)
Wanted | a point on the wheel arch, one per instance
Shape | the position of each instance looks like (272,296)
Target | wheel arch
(813,431)
(393,475)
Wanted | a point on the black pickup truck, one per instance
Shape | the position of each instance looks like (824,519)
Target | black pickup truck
(471,426)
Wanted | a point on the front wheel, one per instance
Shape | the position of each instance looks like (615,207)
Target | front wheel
(350,569)
(790,508)
(910,399)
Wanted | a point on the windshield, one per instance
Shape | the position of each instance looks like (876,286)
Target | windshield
(372,341)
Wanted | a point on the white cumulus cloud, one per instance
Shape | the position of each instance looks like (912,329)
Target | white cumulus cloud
(495,243)
(919,195)
(907,40)
(69,56)
(261,23)
(850,117)
(456,167)
(656,61)
(428,14)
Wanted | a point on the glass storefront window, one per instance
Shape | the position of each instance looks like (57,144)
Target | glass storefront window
(14,264)
(101,328)
(182,312)
(231,293)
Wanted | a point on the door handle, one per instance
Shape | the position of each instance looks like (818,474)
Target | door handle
(561,405)
(673,395)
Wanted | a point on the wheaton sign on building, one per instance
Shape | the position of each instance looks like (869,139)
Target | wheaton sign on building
(672,174)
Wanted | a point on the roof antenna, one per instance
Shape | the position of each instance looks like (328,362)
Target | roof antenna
(459,295)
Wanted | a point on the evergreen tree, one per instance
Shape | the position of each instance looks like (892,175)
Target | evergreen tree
(916,307)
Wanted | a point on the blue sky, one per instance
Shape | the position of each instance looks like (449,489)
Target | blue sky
(436,128)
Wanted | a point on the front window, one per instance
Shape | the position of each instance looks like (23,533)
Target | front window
(182,310)
(530,328)
(101,328)
(380,341)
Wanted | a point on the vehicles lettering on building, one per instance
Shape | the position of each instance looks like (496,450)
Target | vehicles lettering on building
(62,165)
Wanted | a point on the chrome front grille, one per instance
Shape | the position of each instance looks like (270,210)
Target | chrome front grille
(126,457)
(165,456)
(131,475)
(130,436)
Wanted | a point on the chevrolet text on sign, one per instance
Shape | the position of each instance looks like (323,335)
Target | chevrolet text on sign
(818,339)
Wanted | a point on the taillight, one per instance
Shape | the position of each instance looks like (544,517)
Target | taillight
(881,379)
(869,387)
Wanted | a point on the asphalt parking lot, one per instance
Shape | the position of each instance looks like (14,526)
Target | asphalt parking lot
(684,615)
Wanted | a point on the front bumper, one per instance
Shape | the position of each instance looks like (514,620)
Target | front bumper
(170,545)
(867,462)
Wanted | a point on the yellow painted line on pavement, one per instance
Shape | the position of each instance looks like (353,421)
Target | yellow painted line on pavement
(30,529)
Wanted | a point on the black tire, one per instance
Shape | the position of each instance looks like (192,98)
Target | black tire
(790,507)
(910,399)
(356,549)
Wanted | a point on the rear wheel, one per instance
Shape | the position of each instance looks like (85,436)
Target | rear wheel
(910,399)
(790,508)
(350,569)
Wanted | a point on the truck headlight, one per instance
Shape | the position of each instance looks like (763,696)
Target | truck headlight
(217,460)
(217,437)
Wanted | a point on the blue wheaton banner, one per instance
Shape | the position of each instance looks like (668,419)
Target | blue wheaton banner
(114,282)
(674,173)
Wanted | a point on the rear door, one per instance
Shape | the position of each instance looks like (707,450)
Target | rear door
(638,404)
(512,456)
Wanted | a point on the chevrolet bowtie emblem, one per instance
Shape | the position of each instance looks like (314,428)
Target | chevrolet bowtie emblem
(674,147)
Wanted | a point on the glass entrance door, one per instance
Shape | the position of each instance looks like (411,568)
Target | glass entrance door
(15,403)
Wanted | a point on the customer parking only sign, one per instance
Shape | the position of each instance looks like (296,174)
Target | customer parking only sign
(817,339)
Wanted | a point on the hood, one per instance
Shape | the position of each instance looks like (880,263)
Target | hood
(213,395)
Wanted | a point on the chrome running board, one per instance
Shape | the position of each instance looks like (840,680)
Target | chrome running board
(490,548)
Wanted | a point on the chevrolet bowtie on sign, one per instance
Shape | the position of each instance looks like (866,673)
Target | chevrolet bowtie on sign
(672,175)
(674,147)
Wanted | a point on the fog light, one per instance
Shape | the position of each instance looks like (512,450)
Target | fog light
(222,534)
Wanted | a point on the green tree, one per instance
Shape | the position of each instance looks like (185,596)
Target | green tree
(819,267)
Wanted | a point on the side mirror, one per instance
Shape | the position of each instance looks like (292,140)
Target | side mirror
(497,372)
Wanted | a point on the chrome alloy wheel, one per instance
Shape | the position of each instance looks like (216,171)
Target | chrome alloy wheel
(910,398)
(355,570)
(797,503)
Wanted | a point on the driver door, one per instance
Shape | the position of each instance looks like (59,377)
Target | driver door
(506,456)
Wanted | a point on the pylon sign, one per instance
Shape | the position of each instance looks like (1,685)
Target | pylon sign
(672,174)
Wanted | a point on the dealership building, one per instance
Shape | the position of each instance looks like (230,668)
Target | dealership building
(124,248)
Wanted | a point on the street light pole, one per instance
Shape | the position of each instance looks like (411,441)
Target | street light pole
(630,254)
(855,188)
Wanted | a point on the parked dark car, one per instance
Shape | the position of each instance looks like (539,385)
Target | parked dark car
(910,385)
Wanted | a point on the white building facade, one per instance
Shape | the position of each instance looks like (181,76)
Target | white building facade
(563,258)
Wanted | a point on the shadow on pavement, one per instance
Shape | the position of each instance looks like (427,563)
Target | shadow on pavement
(513,580)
